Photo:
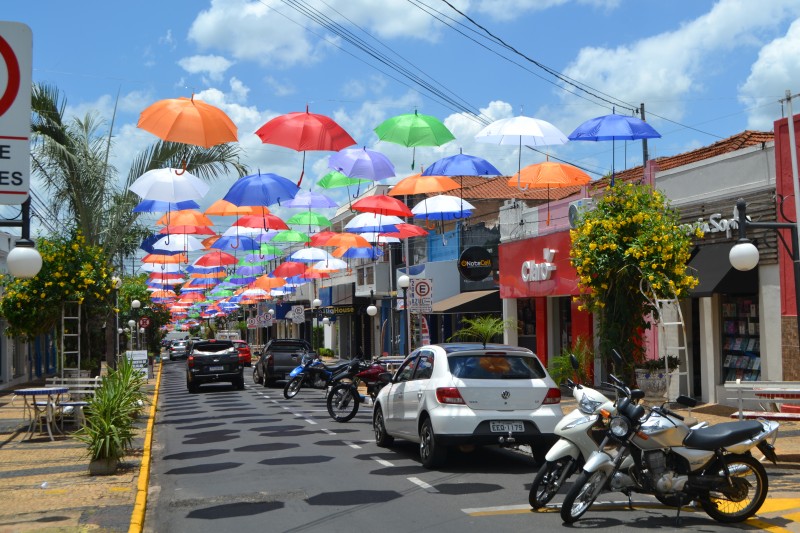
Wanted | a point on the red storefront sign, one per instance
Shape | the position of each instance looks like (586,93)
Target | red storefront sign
(538,266)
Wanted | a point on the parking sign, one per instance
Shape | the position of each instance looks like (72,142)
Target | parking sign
(16,52)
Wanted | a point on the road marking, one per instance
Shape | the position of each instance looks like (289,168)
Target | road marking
(328,431)
(419,482)
(352,444)
(383,462)
(310,421)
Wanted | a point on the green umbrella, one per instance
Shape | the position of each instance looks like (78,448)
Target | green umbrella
(310,218)
(269,249)
(414,130)
(334,179)
(290,236)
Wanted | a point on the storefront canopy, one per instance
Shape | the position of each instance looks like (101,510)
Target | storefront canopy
(713,268)
(469,302)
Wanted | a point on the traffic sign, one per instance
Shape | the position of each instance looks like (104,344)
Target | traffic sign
(144,322)
(16,59)
(298,314)
(420,295)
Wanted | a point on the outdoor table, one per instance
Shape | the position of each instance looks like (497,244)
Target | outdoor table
(44,406)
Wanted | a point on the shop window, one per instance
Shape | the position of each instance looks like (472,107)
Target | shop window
(526,323)
(741,339)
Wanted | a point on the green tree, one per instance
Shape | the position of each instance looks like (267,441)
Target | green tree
(629,248)
(482,328)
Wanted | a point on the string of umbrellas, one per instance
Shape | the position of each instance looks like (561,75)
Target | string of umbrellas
(261,256)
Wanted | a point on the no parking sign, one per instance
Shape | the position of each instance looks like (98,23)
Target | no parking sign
(16,52)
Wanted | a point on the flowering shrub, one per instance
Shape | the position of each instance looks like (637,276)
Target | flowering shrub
(629,242)
(71,271)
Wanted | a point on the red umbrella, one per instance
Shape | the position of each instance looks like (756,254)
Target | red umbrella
(215,259)
(405,230)
(305,131)
(186,229)
(269,221)
(382,205)
(319,239)
(288,269)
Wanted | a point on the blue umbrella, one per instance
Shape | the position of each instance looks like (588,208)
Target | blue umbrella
(261,189)
(149,242)
(371,252)
(157,206)
(613,127)
(236,243)
(461,165)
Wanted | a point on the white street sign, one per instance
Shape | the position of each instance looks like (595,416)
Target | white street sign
(298,314)
(16,60)
(420,296)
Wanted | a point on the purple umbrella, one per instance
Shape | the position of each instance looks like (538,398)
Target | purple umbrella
(362,163)
(311,200)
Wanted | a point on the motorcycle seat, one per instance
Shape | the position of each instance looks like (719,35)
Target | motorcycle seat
(722,435)
(337,367)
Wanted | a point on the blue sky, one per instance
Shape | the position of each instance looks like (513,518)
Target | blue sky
(704,70)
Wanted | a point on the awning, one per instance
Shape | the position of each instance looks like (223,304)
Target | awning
(716,274)
(470,302)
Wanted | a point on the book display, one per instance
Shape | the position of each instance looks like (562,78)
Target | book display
(741,345)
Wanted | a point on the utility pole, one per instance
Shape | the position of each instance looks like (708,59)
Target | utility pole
(644,141)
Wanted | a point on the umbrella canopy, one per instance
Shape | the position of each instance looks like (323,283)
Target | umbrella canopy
(150,240)
(187,217)
(371,222)
(289,268)
(335,179)
(378,238)
(169,185)
(165,258)
(191,230)
(261,221)
(442,207)
(224,208)
(309,218)
(414,130)
(158,206)
(177,242)
(330,264)
(549,174)
(319,239)
(348,240)
(215,258)
(161,267)
(405,231)
(235,243)
(362,163)
(421,184)
(290,235)
(358,253)
(309,255)
(261,189)
(461,165)
(311,200)
(267,283)
(305,131)
(382,204)
(189,121)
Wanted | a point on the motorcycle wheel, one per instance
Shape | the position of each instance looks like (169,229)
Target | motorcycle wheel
(342,404)
(548,480)
(293,387)
(582,495)
(744,498)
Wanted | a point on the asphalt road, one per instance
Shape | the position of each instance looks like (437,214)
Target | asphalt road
(228,460)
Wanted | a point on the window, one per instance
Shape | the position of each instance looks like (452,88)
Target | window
(407,370)
(424,366)
(495,367)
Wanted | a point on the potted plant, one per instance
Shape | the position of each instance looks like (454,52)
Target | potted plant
(560,367)
(108,432)
(651,374)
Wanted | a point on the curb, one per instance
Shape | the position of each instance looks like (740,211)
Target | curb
(140,504)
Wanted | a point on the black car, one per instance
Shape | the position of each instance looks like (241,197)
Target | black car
(279,358)
(213,361)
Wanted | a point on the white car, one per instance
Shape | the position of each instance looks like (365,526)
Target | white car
(467,394)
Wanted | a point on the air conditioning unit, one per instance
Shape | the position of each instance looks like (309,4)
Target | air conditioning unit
(578,208)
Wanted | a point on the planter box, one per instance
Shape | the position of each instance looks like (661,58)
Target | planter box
(654,383)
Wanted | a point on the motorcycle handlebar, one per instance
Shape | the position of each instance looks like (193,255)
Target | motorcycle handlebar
(671,413)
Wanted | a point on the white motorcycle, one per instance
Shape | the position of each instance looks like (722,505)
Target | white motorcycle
(711,465)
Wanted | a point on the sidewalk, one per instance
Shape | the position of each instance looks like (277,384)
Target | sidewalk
(46,486)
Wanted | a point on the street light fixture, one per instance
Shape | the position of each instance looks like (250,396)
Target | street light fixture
(403,282)
(116,283)
(744,255)
(131,328)
(135,305)
(23,261)
(315,303)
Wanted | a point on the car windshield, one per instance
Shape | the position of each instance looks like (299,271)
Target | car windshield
(481,366)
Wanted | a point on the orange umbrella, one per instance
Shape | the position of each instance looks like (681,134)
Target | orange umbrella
(348,240)
(163,259)
(163,294)
(208,275)
(419,184)
(319,239)
(266,282)
(189,121)
(224,208)
(549,174)
(207,242)
(185,217)
(186,230)
(313,273)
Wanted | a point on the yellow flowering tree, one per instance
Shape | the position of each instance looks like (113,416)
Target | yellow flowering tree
(71,271)
(630,241)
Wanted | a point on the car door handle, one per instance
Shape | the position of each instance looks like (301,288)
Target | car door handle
(419,395)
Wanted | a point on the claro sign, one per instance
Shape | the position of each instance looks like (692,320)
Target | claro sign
(541,270)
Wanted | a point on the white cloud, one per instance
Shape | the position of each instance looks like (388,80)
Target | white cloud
(776,70)
(214,66)
(504,10)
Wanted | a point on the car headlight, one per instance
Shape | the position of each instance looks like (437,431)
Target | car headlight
(588,406)
(619,426)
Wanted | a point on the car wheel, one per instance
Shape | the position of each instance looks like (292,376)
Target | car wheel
(193,387)
(431,453)
(382,438)
(256,379)
(239,383)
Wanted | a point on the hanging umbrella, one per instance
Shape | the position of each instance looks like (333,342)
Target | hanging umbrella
(405,231)
(189,121)
(266,222)
(267,283)
(169,185)
(362,163)
(187,230)
(178,242)
(165,258)
(305,131)
(290,236)
(611,128)
(207,242)
(289,268)
(358,253)
(319,239)
(250,270)
(158,206)
(377,238)
(422,184)
(309,218)
(382,204)
(461,165)
(310,200)
(188,217)
(215,258)
(519,131)
(372,222)
(224,208)
(442,207)
(414,130)
(330,264)
(335,179)
(550,174)
(261,189)
(309,255)
(314,274)
(348,240)
(235,243)
(161,267)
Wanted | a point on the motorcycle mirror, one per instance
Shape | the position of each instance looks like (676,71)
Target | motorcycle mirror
(686,401)
(637,394)
(574,361)
(616,357)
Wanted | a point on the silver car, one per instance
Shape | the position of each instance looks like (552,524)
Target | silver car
(468,394)
(178,349)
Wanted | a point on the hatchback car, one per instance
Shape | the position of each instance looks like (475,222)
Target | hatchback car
(244,351)
(447,395)
(178,349)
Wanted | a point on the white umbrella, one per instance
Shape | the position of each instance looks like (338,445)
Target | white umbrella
(372,222)
(442,207)
(310,255)
(330,264)
(374,237)
(233,231)
(177,243)
(169,185)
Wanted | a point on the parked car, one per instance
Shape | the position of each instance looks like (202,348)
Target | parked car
(279,358)
(244,351)
(456,394)
(212,361)
(179,349)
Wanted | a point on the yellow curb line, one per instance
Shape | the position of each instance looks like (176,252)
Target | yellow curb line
(140,505)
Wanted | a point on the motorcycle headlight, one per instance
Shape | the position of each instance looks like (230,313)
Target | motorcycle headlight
(588,406)
(619,426)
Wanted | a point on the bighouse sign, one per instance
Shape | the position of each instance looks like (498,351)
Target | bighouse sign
(16,46)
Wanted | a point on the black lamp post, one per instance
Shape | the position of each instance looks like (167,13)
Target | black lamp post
(403,282)
(744,255)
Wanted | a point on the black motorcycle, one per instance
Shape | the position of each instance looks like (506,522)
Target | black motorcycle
(311,372)
(343,398)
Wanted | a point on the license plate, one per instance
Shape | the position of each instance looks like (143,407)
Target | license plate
(505,427)
(216,368)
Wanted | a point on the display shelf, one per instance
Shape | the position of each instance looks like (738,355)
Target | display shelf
(741,340)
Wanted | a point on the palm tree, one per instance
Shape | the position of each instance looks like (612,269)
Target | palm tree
(84,193)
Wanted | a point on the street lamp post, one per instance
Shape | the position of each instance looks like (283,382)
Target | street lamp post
(315,304)
(117,284)
(744,255)
(130,329)
(23,261)
(371,311)
(403,282)
(135,305)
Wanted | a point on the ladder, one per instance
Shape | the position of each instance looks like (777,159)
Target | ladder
(672,341)
(71,339)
